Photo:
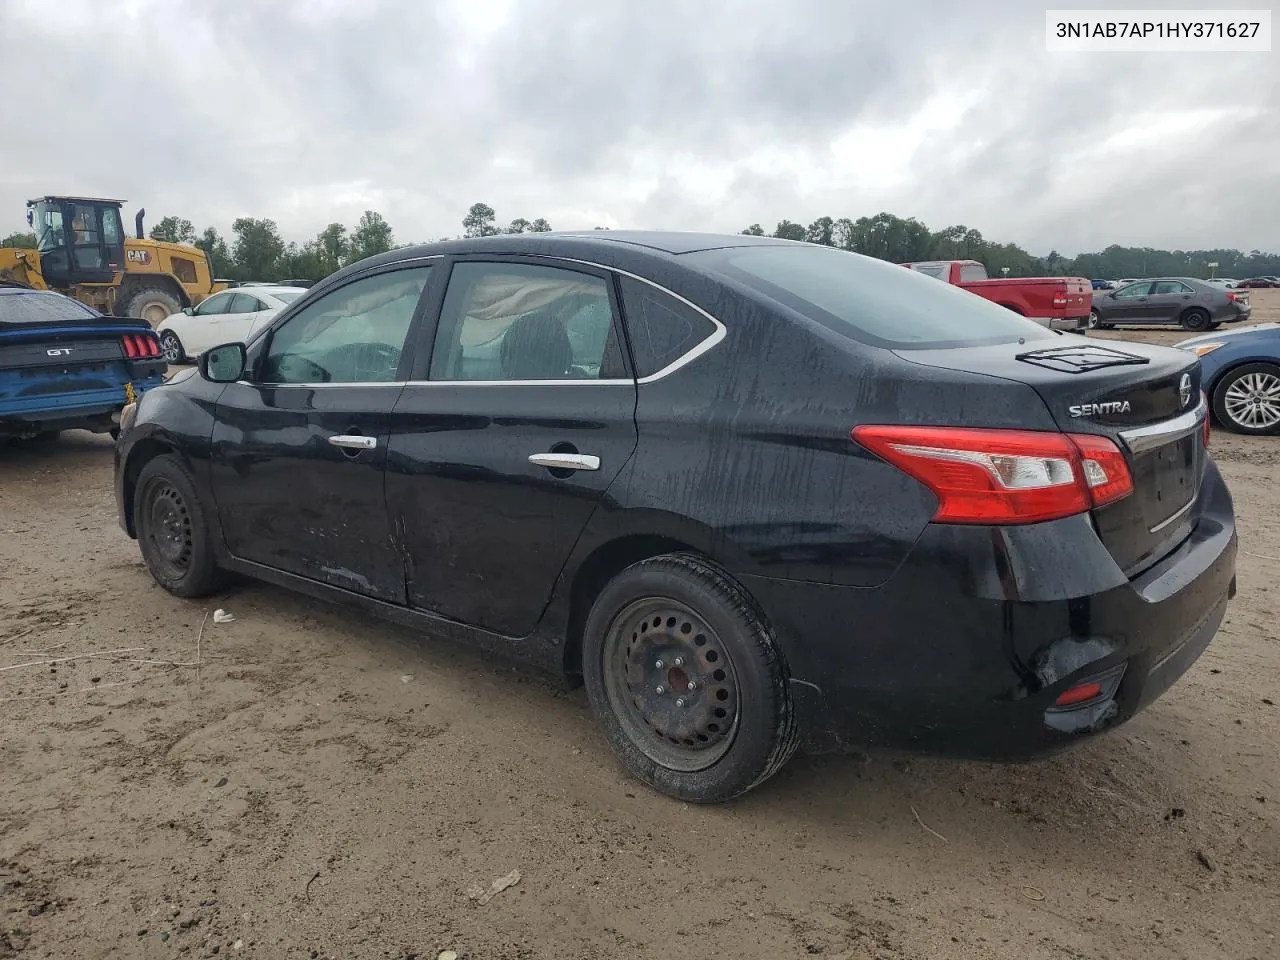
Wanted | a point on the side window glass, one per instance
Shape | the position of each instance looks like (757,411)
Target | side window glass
(662,329)
(971,272)
(354,334)
(111,232)
(1170,286)
(243,303)
(1133,290)
(511,321)
(212,305)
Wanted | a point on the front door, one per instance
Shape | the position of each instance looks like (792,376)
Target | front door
(505,443)
(1129,304)
(300,447)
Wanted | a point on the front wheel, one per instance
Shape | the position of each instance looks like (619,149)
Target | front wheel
(172,348)
(1095,319)
(687,681)
(173,533)
(1247,399)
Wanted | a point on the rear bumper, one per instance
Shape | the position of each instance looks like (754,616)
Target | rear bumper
(965,649)
(92,409)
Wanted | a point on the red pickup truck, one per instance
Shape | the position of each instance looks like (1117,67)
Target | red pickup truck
(1055,302)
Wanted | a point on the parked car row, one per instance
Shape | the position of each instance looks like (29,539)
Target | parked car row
(1227,283)
(570,448)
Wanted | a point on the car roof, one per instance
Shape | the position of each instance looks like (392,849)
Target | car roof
(662,241)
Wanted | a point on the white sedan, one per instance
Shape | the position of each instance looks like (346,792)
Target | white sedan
(227,317)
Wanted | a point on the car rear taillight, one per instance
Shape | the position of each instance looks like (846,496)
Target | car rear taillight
(1004,476)
(141,346)
(1059,299)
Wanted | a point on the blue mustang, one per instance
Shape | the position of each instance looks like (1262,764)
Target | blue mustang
(63,365)
(1240,371)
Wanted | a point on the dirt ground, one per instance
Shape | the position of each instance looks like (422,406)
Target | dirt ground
(304,783)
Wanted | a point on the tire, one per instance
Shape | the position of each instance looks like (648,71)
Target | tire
(1094,321)
(740,726)
(1195,319)
(1247,399)
(173,533)
(152,304)
(172,347)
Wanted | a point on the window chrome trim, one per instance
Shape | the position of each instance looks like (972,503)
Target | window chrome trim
(690,355)
(703,346)
(1141,439)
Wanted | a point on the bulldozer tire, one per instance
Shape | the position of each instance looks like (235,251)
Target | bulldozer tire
(152,304)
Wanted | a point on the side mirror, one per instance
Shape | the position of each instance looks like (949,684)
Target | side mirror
(187,310)
(224,364)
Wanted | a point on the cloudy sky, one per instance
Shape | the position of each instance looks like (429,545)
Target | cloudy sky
(679,114)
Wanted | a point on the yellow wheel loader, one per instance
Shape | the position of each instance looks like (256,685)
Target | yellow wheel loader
(82,251)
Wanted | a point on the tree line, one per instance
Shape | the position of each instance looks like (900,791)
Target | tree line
(899,240)
(256,251)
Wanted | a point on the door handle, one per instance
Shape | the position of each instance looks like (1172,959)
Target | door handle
(565,461)
(352,442)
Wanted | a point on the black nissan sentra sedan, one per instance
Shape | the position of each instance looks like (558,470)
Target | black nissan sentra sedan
(756,494)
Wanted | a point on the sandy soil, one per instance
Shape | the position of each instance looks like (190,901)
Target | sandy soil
(323,786)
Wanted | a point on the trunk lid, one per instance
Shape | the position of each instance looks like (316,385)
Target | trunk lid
(1145,398)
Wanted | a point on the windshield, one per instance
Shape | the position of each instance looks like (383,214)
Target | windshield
(870,300)
(47,221)
(286,296)
(41,307)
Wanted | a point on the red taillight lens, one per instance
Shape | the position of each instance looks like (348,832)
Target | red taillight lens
(1059,299)
(1004,476)
(140,346)
(152,344)
(1080,693)
(130,347)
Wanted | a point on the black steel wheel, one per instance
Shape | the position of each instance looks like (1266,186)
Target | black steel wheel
(1195,319)
(172,533)
(687,681)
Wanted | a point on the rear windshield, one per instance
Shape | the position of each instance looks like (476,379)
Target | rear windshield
(870,300)
(41,308)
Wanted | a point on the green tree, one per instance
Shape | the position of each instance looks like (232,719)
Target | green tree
(822,231)
(174,230)
(21,239)
(755,230)
(219,256)
(371,236)
(257,248)
(518,225)
(479,221)
(786,230)
(331,250)
(540,226)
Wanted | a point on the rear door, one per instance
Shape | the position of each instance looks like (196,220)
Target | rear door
(300,448)
(234,325)
(1167,300)
(505,441)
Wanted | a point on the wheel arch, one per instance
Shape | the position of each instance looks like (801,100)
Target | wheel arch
(140,454)
(1212,388)
(600,566)
(133,283)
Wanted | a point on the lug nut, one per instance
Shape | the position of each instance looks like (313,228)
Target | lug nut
(678,661)
(693,685)
(658,666)
(679,701)
(661,689)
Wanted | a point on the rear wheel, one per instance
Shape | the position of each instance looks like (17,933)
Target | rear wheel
(173,533)
(1247,399)
(152,304)
(1195,319)
(1094,321)
(172,347)
(687,680)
